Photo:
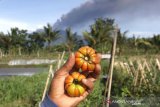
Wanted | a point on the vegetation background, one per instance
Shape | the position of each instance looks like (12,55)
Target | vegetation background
(20,91)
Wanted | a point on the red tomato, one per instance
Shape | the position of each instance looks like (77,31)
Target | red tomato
(86,58)
(73,84)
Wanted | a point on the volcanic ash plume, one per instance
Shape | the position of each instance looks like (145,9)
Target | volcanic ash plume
(93,9)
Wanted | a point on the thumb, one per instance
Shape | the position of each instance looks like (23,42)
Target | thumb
(69,64)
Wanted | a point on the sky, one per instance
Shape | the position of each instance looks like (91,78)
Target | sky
(33,14)
(139,17)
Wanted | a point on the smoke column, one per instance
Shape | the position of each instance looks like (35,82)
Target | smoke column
(92,9)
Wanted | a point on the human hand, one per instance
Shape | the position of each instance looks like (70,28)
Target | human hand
(57,93)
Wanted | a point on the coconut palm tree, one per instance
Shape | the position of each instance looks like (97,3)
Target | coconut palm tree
(50,35)
(156,40)
(18,38)
(122,41)
(145,44)
(71,39)
(36,41)
(100,33)
(6,43)
(1,42)
(91,41)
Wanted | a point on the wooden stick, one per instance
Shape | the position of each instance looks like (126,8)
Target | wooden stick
(155,76)
(61,59)
(58,61)
(136,77)
(51,72)
(122,65)
(111,68)
(46,86)
(133,70)
(152,66)
(155,72)
(142,72)
(58,64)
(148,66)
(158,64)
(127,67)
(145,64)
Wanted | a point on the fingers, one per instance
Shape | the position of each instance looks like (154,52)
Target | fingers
(89,84)
(99,56)
(97,70)
(70,63)
(85,95)
(91,77)
(67,66)
(81,98)
(94,75)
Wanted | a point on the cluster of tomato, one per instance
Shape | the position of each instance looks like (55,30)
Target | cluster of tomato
(85,60)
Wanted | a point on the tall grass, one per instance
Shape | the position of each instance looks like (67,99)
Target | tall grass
(20,91)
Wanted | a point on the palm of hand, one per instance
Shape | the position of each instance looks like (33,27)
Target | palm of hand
(57,92)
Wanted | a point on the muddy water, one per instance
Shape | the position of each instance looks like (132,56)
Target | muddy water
(20,71)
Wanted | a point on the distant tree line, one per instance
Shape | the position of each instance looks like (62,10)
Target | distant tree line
(99,37)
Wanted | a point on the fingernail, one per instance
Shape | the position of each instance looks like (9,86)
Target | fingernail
(72,53)
(89,91)
(84,80)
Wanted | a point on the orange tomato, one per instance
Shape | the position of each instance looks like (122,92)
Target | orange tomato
(86,58)
(73,84)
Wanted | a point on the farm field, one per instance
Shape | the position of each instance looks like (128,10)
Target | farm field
(21,91)
(136,65)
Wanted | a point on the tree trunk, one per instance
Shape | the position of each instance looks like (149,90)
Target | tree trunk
(1,54)
(49,46)
(69,48)
(38,53)
(19,50)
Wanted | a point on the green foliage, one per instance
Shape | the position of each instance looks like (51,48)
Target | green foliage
(122,84)
(71,40)
(22,91)
(100,34)
(95,98)
(123,88)
(50,35)
(27,91)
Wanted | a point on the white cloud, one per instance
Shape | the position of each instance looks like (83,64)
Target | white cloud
(40,26)
(142,34)
(7,24)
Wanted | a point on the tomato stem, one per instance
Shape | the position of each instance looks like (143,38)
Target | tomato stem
(75,81)
(87,58)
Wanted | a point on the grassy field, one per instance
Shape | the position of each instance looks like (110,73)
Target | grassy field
(27,91)
(20,91)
